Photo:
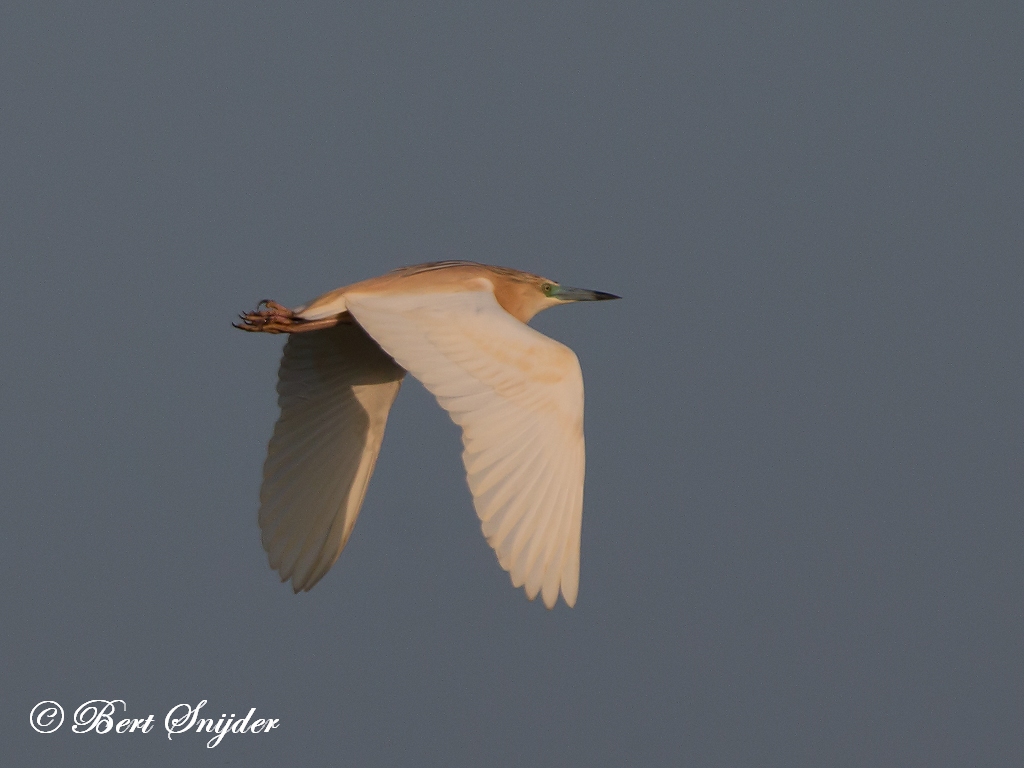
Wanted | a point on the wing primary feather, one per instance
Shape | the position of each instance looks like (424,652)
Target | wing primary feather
(499,505)
(316,538)
(492,489)
(287,458)
(571,567)
(314,428)
(292,499)
(522,510)
(479,461)
(341,529)
(539,507)
(532,559)
(563,540)
(553,578)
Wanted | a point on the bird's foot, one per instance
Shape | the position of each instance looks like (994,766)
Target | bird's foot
(271,317)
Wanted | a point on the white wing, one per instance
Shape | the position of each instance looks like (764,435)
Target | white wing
(335,389)
(518,397)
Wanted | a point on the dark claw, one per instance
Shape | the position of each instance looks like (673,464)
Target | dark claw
(271,317)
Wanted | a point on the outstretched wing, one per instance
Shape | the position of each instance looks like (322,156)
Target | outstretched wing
(518,397)
(335,388)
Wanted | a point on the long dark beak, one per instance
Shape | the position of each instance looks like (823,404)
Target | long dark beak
(581,294)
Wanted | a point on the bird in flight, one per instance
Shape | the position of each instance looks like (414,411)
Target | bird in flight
(460,328)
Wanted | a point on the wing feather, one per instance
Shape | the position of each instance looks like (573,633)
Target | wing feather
(518,397)
(533,562)
(335,389)
(557,562)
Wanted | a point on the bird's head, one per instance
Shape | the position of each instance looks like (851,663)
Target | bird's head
(524,295)
(562,294)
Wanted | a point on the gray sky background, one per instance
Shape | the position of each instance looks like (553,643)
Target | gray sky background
(802,534)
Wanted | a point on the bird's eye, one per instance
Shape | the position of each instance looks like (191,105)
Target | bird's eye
(547,288)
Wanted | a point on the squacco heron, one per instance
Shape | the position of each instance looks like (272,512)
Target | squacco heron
(460,328)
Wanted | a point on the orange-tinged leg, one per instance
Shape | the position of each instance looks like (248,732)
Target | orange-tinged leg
(277,318)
